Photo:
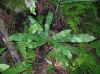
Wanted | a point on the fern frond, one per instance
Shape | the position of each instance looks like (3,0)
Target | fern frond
(17,69)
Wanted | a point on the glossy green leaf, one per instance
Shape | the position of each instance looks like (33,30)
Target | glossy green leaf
(35,28)
(49,19)
(61,49)
(3,67)
(16,37)
(66,52)
(60,53)
(81,38)
(62,36)
(21,37)
(32,20)
(74,50)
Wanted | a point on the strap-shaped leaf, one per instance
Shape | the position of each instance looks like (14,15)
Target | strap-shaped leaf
(81,38)
(74,50)
(29,40)
(3,67)
(26,37)
(21,37)
(49,19)
(16,37)
(35,27)
(64,36)
(32,20)
(60,48)
(40,40)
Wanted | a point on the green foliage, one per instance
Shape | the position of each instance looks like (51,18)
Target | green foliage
(40,19)
(50,69)
(61,51)
(37,37)
(81,38)
(1,50)
(64,36)
(19,5)
(19,68)
(31,5)
(15,5)
(49,19)
(3,67)
(74,10)
(24,43)
(33,39)
(58,48)
(96,45)
(35,26)
(85,64)
(91,25)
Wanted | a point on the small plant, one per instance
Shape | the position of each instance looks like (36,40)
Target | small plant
(38,36)
(84,66)
(3,67)
(73,11)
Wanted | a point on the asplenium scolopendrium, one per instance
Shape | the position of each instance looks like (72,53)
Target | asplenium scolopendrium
(37,37)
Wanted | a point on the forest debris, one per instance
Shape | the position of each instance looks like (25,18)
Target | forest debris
(58,68)
(8,44)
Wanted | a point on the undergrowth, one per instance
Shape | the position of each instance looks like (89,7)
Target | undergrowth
(81,18)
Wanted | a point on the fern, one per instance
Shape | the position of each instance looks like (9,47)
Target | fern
(40,19)
(85,64)
(96,45)
(37,37)
(73,12)
(19,68)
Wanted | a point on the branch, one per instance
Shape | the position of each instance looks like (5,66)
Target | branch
(9,45)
